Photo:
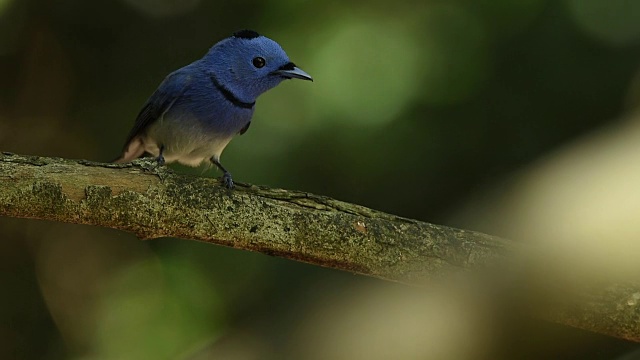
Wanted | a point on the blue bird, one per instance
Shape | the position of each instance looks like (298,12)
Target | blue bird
(198,109)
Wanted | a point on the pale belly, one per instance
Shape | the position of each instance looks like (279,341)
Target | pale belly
(186,144)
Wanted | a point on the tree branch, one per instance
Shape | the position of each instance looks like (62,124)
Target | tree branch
(154,202)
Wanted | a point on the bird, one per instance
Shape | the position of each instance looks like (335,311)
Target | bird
(196,110)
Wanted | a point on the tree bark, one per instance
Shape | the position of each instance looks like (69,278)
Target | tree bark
(154,202)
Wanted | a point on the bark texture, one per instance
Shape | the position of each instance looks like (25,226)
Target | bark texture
(153,202)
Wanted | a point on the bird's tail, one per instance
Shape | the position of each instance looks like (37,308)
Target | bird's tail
(133,150)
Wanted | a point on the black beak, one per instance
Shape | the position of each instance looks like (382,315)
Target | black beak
(291,71)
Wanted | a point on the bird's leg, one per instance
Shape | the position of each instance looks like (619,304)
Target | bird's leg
(226,176)
(160,158)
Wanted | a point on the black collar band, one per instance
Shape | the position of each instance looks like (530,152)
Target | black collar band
(230,96)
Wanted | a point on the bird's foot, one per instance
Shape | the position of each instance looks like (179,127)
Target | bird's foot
(160,160)
(227,181)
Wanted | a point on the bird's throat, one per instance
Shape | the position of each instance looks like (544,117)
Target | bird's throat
(231,97)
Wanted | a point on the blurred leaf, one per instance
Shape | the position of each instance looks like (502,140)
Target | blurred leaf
(454,54)
(367,70)
(156,311)
(612,21)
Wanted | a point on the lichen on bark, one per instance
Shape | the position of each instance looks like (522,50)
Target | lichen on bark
(152,202)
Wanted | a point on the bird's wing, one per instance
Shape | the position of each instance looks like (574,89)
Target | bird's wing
(170,90)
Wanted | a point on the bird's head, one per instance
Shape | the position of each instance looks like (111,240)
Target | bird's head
(249,64)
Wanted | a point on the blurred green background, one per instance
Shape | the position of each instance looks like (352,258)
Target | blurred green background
(416,108)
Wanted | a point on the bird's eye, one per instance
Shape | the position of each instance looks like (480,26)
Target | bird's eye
(259,62)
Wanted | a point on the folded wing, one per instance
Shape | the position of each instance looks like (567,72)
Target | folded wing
(170,90)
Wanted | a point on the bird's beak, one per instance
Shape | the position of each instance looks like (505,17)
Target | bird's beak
(290,71)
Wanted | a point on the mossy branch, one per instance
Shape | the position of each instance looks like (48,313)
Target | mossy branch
(154,202)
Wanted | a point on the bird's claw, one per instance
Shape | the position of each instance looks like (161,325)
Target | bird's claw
(227,181)
(160,160)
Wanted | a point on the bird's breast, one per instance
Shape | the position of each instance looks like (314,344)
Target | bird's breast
(195,131)
(213,112)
